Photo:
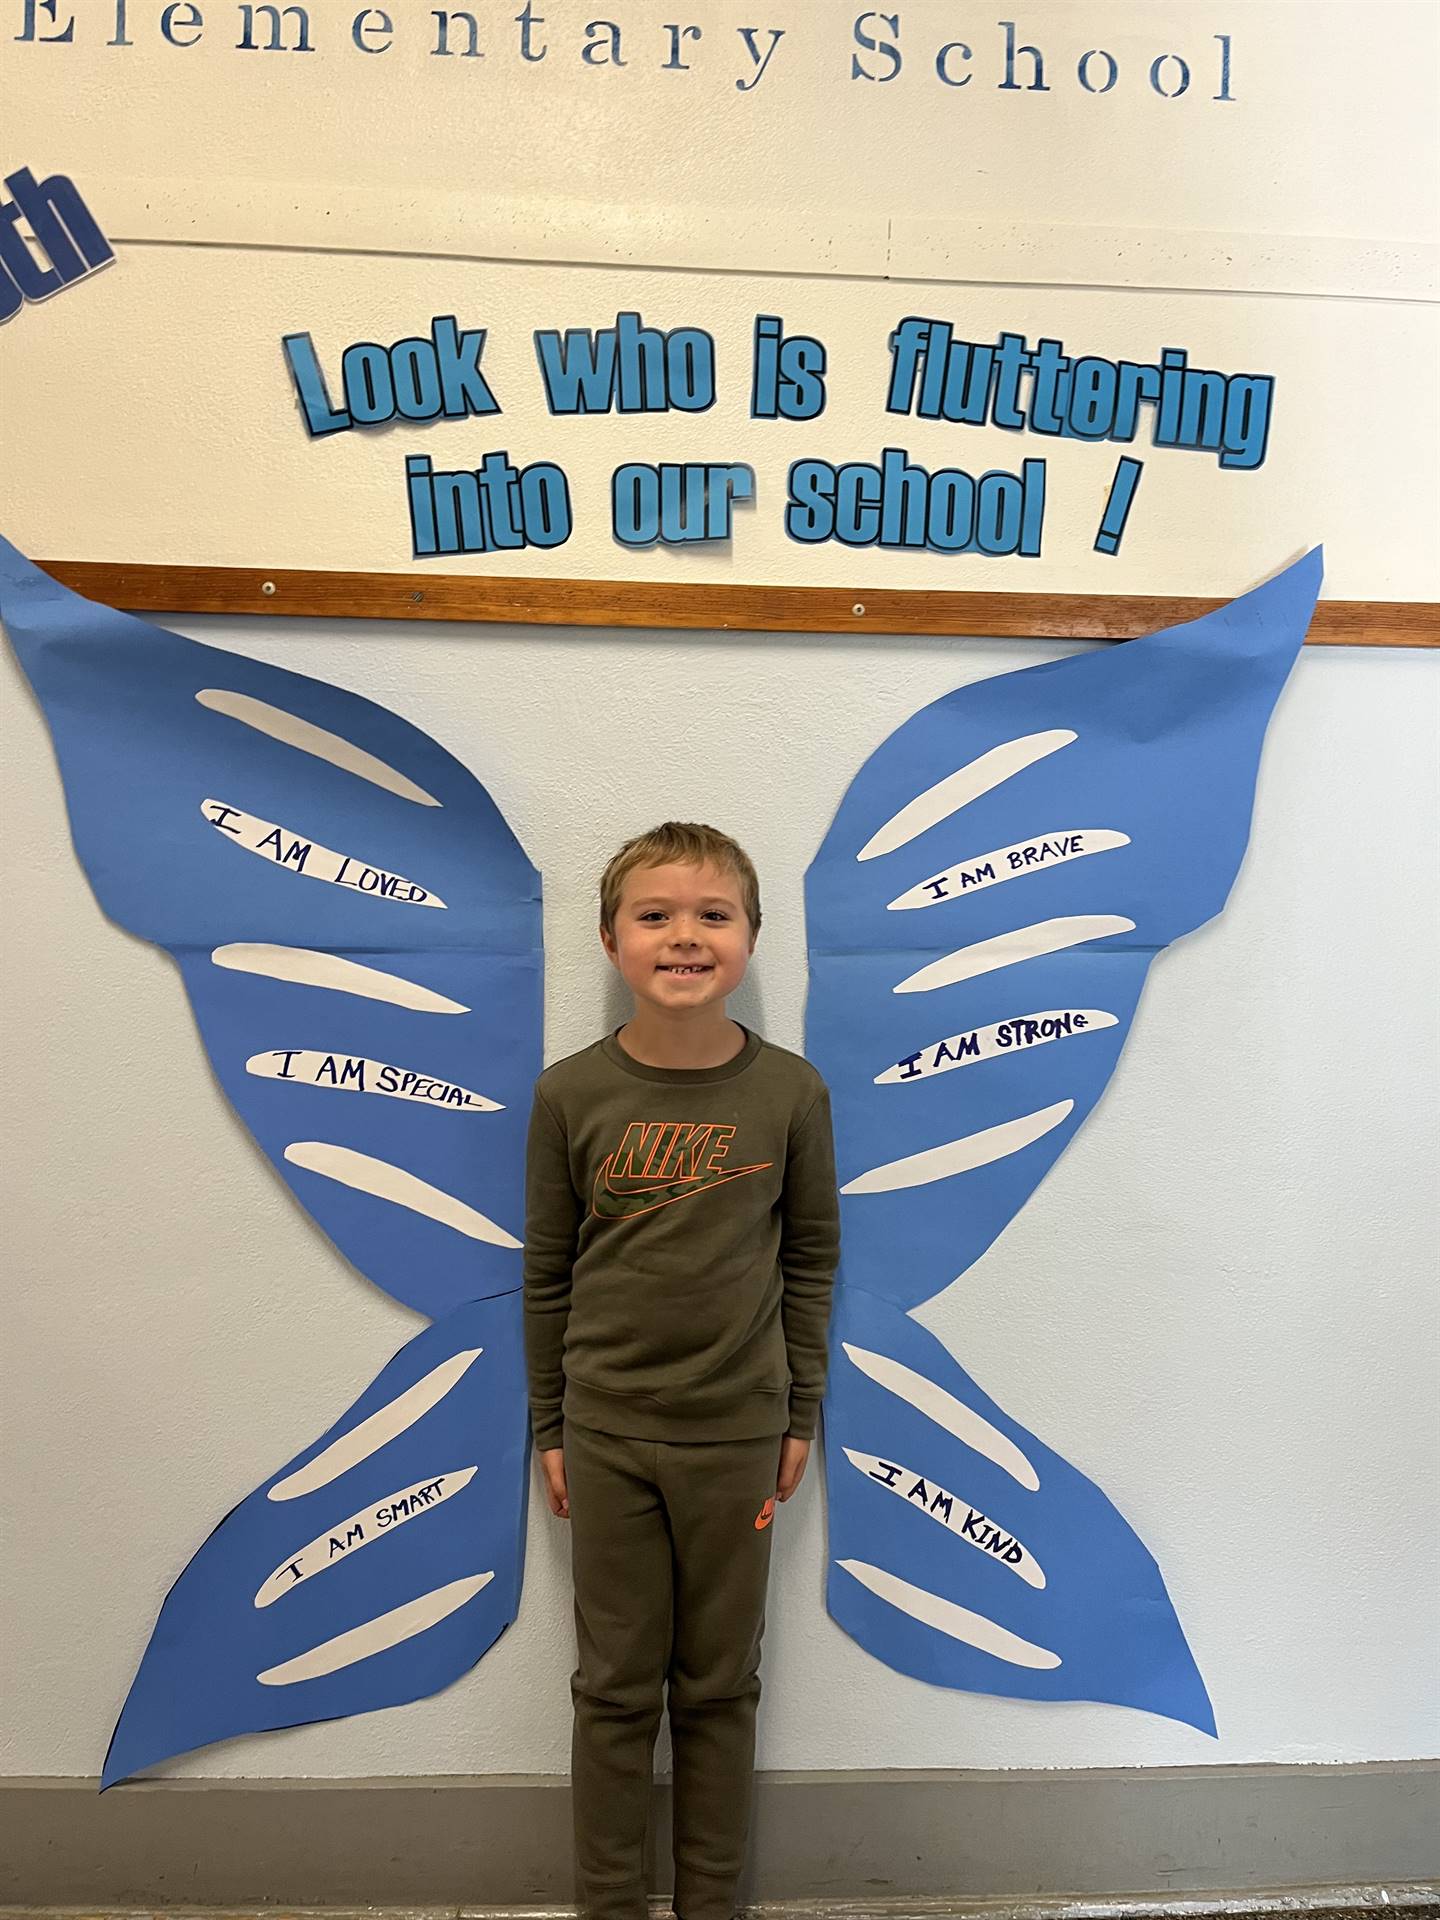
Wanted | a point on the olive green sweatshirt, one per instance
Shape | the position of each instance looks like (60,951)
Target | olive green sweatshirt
(682,1229)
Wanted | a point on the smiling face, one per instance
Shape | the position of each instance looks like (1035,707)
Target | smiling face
(681,939)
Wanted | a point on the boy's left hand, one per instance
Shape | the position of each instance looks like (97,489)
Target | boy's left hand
(793,1455)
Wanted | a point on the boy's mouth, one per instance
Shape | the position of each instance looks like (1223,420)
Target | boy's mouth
(686,971)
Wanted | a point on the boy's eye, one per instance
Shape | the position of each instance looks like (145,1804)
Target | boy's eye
(712,913)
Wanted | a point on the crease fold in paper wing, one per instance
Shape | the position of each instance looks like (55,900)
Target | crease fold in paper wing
(981,916)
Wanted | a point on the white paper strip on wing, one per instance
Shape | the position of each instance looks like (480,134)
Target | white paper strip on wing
(308,967)
(346,1537)
(958,789)
(952,1512)
(293,853)
(1000,1041)
(382,1178)
(962,1155)
(968,1426)
(292,731)
(1008,949)
(1038,854)
(377,1429)
(960,1623)
(354,1073)
(374,1636)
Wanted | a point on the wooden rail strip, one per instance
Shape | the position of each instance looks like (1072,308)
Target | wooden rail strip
(716,606)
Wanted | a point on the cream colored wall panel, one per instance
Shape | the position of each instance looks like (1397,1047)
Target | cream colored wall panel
(439,225)
(151,417)
(1286,118)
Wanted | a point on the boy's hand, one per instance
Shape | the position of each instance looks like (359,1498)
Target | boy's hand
(793,1455)
(552,1465)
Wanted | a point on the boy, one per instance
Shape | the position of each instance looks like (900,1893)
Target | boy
(681,1237)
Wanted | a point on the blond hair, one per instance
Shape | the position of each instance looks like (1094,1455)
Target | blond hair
(681,843)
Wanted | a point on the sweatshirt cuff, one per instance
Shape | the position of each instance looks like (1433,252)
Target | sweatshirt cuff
(548,1432)
(804,1417)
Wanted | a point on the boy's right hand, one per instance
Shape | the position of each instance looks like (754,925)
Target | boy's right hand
(552,1465)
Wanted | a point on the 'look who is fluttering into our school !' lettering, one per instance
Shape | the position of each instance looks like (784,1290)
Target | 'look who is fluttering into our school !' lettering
(628,368)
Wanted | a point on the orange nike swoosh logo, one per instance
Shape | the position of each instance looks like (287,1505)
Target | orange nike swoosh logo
(663,1194)
(765,1516)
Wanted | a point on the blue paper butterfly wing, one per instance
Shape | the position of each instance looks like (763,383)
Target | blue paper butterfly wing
(382,1052)
(369,1040)
(966,1553)
(374,1569)
(1061,825)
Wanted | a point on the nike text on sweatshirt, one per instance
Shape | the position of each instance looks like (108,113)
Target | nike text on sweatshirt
(682,1230)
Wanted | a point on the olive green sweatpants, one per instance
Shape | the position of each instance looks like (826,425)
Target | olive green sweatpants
(670,1548)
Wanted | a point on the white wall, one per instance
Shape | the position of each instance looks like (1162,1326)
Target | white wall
(1220,1305)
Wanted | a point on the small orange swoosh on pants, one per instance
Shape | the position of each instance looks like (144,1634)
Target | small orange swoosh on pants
(765,1515)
